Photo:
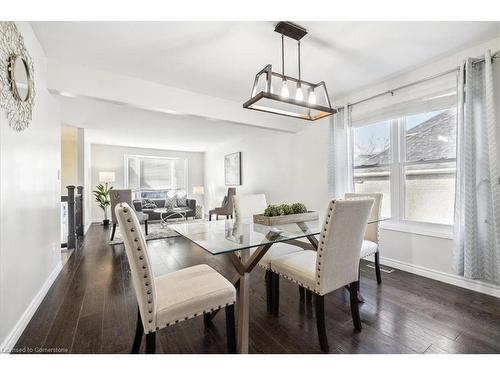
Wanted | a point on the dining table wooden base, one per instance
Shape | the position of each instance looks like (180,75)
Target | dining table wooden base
(244,265)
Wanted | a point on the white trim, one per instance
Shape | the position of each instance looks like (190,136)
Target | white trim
(423,229)
(25,318)
(475,285)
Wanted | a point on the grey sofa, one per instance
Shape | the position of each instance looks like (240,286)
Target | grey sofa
(160,203)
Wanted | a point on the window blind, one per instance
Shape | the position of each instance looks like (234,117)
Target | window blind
(150,173)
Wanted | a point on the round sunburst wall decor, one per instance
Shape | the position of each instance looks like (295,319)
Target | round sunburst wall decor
(17,84)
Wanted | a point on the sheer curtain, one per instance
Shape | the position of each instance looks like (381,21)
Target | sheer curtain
(477,202)
(339,154)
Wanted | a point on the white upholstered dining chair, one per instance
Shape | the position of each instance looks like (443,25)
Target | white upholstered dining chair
(335,264)
(245,206)
(371,239)
(174,297)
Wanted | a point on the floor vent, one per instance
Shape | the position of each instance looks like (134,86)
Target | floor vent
(382,268)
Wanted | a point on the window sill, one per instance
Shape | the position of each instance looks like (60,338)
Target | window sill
(423,229)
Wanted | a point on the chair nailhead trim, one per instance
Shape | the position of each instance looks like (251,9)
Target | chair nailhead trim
(196,314)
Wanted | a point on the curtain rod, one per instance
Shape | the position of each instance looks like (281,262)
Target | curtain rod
(496,55)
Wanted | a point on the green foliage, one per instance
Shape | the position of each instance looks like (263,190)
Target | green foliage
(273,210)
(101,195)
(285,209)
(299,208)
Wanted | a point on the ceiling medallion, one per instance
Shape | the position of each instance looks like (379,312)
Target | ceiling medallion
(17,85)
(288,96)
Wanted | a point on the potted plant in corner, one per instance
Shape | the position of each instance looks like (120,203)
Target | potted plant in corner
(101,195)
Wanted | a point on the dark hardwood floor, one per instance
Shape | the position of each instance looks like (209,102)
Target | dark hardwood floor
(91,308)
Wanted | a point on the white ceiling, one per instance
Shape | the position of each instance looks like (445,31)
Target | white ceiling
(116,124)
(222,58)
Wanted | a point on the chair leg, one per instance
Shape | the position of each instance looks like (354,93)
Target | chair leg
(275,278)
(146,227)
(113,232)
(230,330)
(269,290)
(207,319)
(151,343)
(308,296)
(353,292)
(302,292)
(320,323)
(377,268)
(139,331)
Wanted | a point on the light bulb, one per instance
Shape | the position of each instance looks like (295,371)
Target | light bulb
(284,89)
(299,95)
(312,97)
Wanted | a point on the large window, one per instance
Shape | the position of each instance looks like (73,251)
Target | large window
(153,177)
(410,159)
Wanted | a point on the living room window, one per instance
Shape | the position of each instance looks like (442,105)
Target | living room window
(153,177)
(411,159)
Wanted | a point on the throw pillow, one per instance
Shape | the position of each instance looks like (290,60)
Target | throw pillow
(181,201)
(181,198)
(170,202)
(148,203)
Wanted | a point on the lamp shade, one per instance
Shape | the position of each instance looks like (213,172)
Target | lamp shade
(106,176)
(199,190)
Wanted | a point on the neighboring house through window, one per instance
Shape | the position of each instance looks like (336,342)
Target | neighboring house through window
(411,160)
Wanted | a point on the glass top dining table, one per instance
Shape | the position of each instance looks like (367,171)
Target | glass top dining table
(224,236)
(233,237)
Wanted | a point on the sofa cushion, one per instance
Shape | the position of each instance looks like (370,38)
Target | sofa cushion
(171,202)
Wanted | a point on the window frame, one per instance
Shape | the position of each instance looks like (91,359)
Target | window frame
(397,184)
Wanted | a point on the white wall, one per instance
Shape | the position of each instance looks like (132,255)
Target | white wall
(111,159)
(287,167)
(294,168)
(30,204)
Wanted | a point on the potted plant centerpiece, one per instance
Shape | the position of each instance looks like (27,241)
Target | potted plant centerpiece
(285,214)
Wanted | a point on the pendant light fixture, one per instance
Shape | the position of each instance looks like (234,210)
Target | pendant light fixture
(285,95)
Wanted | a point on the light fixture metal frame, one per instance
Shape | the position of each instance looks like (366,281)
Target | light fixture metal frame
(295,32)
(324,111)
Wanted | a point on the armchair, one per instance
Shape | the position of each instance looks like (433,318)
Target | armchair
(118,196)
(226,207)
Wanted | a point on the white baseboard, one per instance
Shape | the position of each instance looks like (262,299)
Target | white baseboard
(475,285)
(25,318)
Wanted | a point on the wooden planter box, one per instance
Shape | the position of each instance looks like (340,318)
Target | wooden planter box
(285,219)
